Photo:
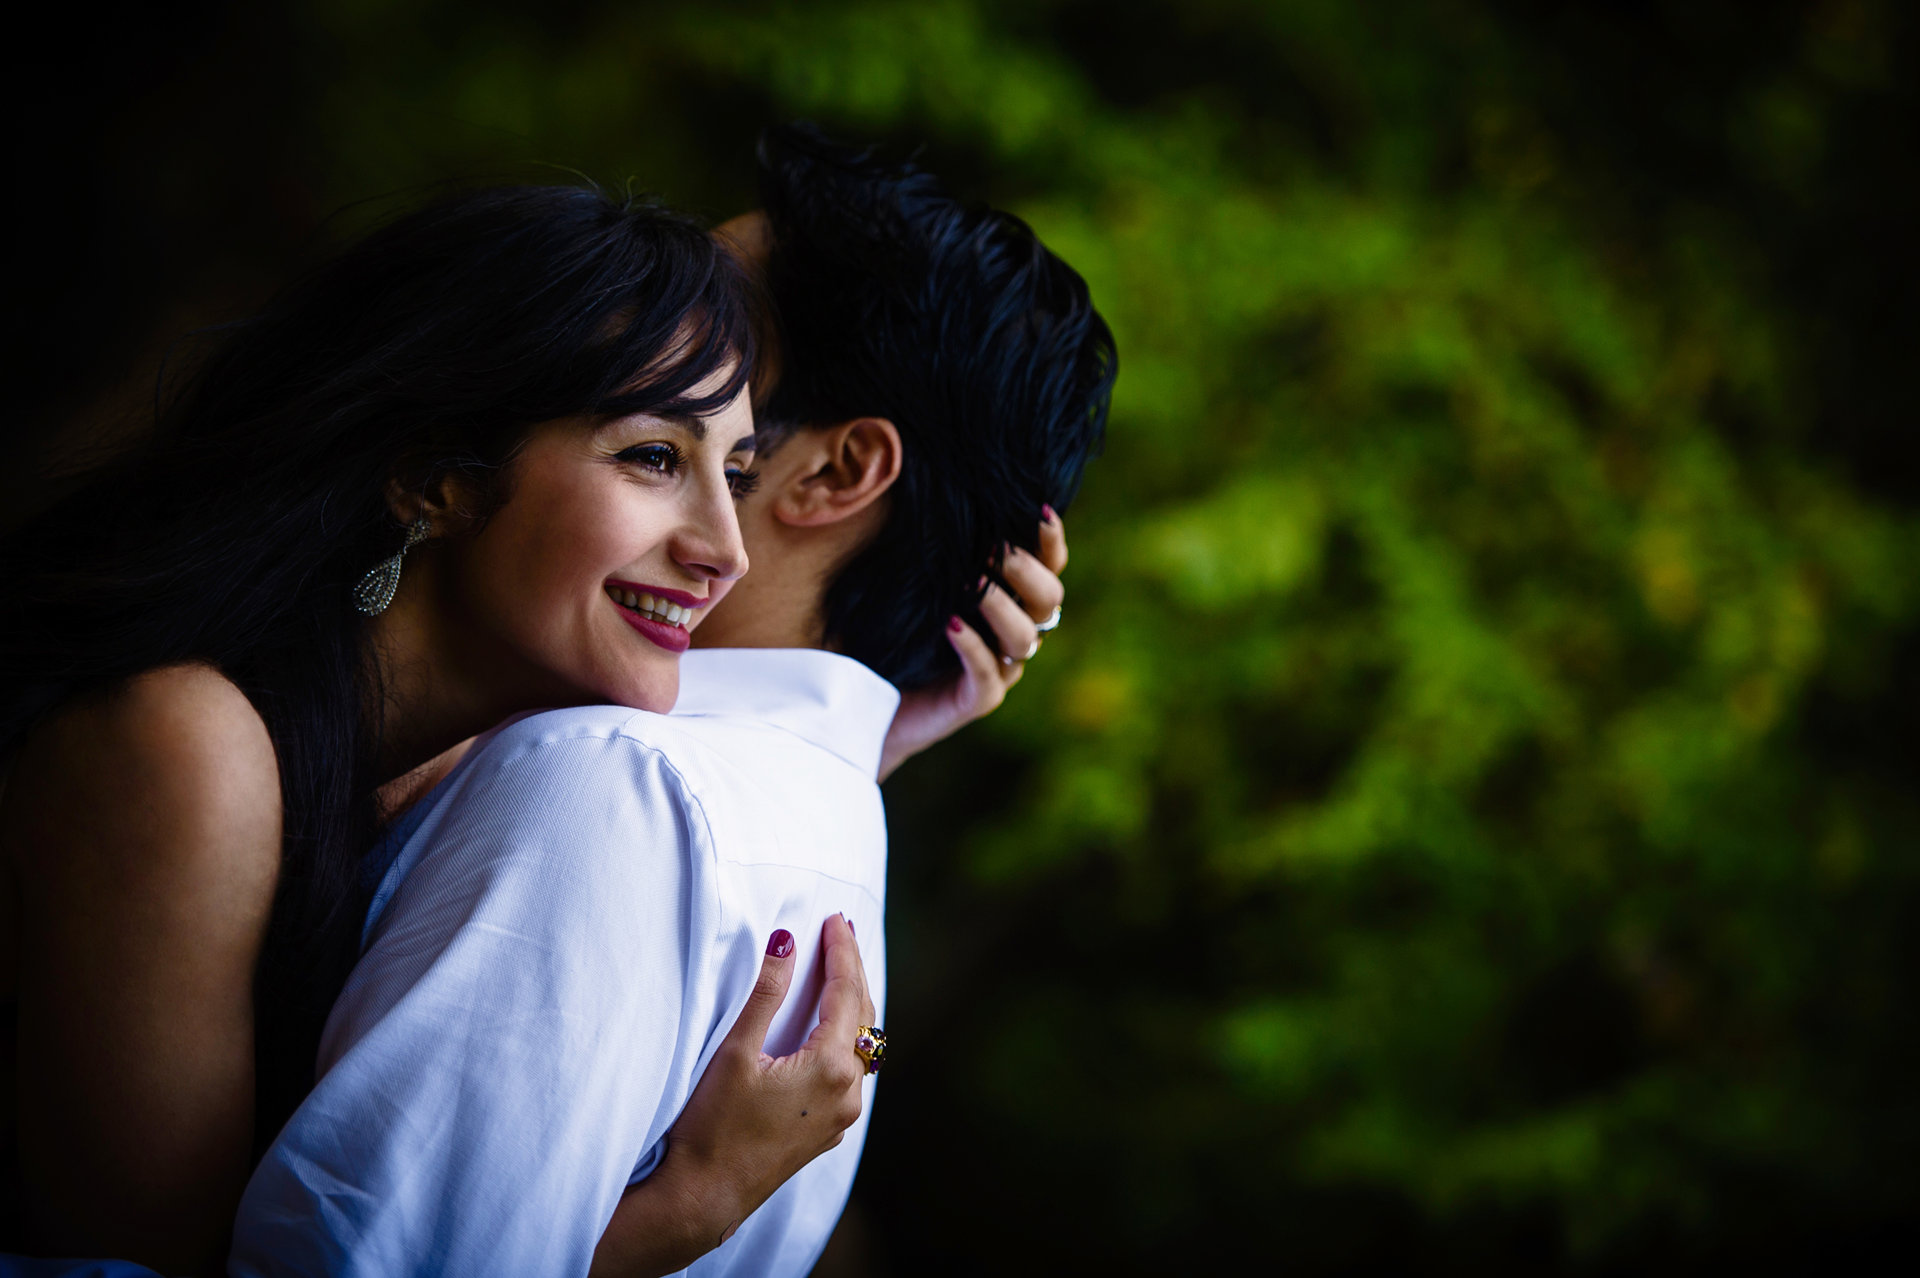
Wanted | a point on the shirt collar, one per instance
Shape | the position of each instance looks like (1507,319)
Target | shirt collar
(827,699)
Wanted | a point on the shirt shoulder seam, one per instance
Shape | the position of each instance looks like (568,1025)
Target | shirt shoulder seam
(622,731)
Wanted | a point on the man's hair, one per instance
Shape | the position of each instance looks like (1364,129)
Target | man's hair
(894,299)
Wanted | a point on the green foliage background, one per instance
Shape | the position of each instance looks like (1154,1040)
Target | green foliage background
(1466,819)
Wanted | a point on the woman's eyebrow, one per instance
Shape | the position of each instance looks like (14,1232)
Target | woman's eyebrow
(695,426)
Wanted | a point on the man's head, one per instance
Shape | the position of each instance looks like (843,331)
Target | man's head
(935,376)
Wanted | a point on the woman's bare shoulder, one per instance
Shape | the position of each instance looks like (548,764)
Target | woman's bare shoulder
(174,762)
(175,732)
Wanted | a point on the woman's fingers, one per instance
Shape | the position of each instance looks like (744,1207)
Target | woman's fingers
(983,680)
(1013,613)
(844,1008)
(1036,588)
(1032,594)
(869,1014)
(1053,541)
(749,1033)
(843,999)
(935,712)
(827,1069)
(754,1120)
(1016,632)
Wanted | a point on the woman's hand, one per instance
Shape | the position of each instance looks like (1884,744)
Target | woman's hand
(752,1121)
(928,715)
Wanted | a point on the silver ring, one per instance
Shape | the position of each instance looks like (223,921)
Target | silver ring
(1053,619)
(1011,662)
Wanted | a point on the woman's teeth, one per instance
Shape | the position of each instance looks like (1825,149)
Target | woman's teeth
(652,609)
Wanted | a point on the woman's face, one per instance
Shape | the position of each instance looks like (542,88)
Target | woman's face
(614,539)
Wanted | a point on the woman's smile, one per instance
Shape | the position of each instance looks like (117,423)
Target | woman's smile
(661,615)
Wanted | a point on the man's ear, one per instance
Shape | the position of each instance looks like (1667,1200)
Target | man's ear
(848,468)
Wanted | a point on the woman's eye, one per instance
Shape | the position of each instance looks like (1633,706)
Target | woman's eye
(662,458)
(742,482)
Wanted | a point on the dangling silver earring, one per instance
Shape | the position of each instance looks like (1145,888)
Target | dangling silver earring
(375,590)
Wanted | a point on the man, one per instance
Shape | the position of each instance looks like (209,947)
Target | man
(560,947)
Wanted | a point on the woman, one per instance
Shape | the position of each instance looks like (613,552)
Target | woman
(201,718)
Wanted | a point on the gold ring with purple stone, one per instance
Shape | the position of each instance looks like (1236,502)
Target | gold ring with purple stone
(870,1045)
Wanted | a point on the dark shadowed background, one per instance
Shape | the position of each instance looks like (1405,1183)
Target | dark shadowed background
(1467,822)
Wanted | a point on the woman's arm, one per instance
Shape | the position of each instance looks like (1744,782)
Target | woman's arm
(143,830)
(751,1123)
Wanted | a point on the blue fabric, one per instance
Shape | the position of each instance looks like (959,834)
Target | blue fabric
(381,855)
(374,877)
(29,1267)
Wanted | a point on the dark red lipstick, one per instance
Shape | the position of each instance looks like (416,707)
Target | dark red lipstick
(680,597)
(673,638)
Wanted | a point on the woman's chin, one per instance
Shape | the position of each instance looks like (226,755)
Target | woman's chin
(655,689)
(657,692)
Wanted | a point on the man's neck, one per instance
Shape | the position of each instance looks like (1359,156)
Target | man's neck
(780,603)
(782,600)
(783,614)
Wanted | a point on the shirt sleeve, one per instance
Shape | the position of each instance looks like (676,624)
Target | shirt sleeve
(519,1031)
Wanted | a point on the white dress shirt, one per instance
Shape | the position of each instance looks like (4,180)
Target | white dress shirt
(553,958)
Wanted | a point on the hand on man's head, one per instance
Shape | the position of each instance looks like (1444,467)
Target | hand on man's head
(1030,599)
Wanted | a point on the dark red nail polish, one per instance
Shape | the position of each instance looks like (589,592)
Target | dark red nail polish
(850,927)
(1046,515)
(780,944)
(955,625)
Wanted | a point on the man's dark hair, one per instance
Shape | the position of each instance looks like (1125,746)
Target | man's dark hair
(894,299)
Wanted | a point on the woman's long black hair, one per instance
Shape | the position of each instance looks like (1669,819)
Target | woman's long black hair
(235,533)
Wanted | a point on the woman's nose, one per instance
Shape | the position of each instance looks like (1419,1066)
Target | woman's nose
(710,545)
